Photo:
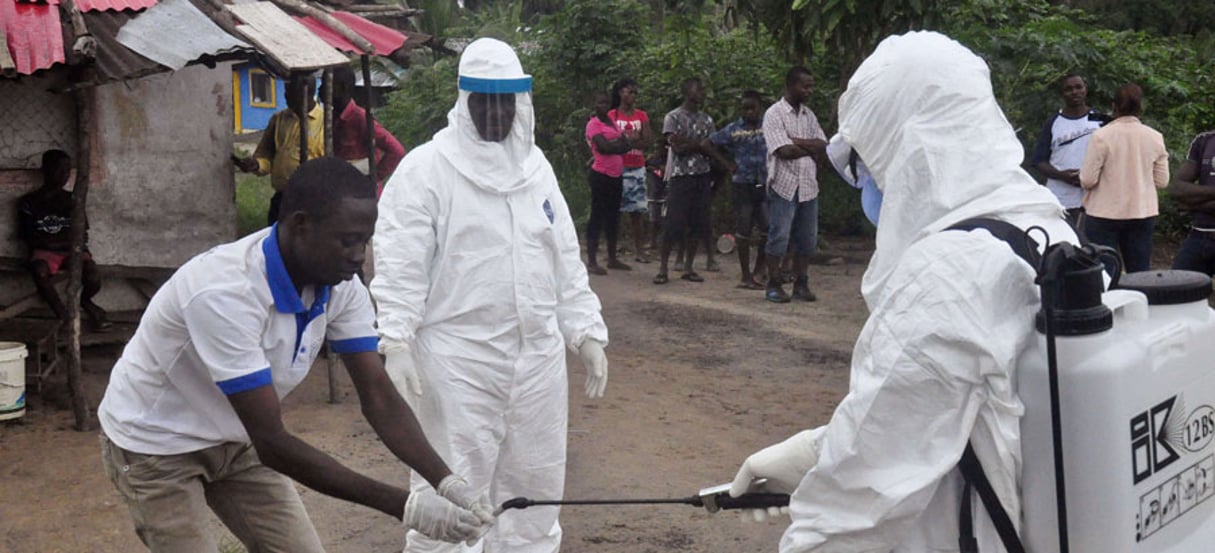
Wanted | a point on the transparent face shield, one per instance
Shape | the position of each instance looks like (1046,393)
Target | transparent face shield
(492,114)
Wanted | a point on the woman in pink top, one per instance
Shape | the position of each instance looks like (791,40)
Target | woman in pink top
(608,145)
(635,124)
(1125,163)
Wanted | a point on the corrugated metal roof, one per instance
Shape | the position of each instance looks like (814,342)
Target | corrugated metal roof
(383,39)
(287,42)
(33,34)
(114,61)
(113,5)
(174,33)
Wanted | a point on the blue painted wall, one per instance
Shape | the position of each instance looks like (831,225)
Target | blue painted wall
(249,117)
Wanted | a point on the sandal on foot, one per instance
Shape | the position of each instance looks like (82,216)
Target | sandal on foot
(661,278)
(691,276)
(615,264)
(749,285)
(596,270)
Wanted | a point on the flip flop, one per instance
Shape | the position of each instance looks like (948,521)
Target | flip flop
(692,277)
(749,286)
(661,278)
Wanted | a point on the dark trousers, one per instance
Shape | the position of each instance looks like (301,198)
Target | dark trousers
(272,215)
(688,203)
(750,210)
(1131,238)
(605,212)
(1197,253)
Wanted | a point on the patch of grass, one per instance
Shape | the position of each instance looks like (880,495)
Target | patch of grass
(252,201)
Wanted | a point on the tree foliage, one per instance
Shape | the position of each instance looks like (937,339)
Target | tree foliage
(734,45)
(1030,46)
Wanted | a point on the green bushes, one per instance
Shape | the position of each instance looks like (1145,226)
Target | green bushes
(581,49)
(1028,44)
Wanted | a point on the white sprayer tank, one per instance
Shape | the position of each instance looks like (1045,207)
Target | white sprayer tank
(1137,406)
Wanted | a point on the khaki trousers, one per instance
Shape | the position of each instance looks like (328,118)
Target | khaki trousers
(168,495)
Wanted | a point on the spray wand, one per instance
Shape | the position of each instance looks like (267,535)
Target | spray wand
(713,499)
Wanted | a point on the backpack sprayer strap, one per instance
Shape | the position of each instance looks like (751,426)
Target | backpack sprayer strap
(972,471)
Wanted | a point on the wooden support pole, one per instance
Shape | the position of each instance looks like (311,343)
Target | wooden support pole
(327,98)
(84,47)
(371,165)
(301,115)
(331,358)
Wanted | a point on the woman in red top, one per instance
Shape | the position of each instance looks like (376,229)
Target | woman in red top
(635,125)
(607,146)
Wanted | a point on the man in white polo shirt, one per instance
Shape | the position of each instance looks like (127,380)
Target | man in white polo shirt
(191,417)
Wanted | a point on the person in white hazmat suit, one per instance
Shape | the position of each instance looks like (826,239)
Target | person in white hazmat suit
(950,312)
(480,288)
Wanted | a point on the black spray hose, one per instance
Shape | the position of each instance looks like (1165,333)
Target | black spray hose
(713,502)
(1056,425)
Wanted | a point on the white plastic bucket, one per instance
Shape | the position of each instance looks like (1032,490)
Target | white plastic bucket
(12,380)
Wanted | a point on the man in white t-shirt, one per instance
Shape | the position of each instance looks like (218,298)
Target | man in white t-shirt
(1062,142)
(191,418)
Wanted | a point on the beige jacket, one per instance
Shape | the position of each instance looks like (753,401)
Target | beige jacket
(1124,160)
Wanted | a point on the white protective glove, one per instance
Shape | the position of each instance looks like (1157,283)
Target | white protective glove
(783,465)
(457,490)
(398,363)
(440,519)
(595,361)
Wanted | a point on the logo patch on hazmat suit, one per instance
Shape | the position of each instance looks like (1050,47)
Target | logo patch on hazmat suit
(548,210)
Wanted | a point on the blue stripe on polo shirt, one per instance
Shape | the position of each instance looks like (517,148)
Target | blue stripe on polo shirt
(355,345)
(496,86)
(246,382)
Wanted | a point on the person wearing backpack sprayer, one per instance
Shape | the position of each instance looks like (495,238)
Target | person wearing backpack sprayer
(950,313)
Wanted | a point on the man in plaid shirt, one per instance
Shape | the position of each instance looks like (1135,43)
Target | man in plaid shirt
(795,144)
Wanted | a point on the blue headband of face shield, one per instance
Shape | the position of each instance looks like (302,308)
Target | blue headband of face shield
(496,86)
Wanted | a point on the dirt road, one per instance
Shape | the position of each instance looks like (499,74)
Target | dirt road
(701,376)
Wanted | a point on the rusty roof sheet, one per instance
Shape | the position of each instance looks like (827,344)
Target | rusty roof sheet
(33,35)
(174,33)
(383,39)
(288,43)
(116,62)
(113,5)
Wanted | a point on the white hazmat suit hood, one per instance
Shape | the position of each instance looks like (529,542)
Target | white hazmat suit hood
(490,66)
(950,314)
(920,111)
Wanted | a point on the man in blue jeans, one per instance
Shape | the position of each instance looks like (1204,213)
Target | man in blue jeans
(795,143)
(1194,191)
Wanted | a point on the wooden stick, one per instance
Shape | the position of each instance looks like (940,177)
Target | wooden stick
(80,190)
(329,21)
(301,117)
(327,98)
(371,169)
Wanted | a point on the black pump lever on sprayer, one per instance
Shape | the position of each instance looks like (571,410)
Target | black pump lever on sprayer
(1071,282)
(712,499)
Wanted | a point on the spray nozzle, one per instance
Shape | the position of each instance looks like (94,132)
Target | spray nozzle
(1071,281)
